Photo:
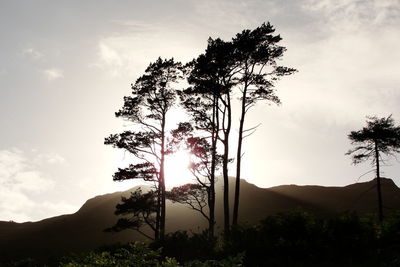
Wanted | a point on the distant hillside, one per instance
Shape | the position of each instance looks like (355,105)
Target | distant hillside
(83,230)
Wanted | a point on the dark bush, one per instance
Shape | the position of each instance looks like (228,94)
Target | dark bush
(186,247)
(278,240)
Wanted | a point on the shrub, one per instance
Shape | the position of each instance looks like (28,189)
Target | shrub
(133,254)
(185,247)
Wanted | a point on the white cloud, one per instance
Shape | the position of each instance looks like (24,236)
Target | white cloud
(53,74)
(31,53)
(11,161)
(353,15)
(22,183)
(109,58)
(349,72)
(49,158)
(130,52)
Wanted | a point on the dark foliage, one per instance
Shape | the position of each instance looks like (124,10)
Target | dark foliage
(133,254)
(380,133)
(300,239)
(187,247)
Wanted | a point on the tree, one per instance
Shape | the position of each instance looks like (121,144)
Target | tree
(247,63)
(256,53)
(208,101)
(380,136)
(152,97)
(141,207)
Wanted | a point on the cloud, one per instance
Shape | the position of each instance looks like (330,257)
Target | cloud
(353,15)
(109,58)
(49,158)
(31,53)
(22,183)
(53,74)
(129,52)
(351,70)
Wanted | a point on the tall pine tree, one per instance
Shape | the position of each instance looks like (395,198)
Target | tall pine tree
(256,53)
(153,95)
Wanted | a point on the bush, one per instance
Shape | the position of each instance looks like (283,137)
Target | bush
(185,247)
(351,237)
(133,254)
(277,240)
(227,262)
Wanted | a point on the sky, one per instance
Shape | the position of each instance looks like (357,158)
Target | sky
(66,66)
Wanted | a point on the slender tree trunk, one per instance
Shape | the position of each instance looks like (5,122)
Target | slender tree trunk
(239,157)
(226,186)
(211,206)
(225,163)
(158,215)
(211,198)
(378,183)
(162,181)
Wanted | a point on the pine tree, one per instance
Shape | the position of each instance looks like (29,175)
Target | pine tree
(153,95)
(256,53)
(380,136)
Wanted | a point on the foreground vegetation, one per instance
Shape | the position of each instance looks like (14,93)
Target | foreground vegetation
(289,239)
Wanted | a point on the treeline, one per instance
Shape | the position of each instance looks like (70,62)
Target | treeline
(243,70)
(294,238)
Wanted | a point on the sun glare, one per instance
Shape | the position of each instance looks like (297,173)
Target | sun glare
(177,169)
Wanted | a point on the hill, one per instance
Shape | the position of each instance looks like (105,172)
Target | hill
(83,230)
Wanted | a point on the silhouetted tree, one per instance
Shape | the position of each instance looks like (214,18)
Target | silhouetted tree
(152,97)
(142,209)
(248,63)
(380,136)
(208,100)
(194,195)
(256,53)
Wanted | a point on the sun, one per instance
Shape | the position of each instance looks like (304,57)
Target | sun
(177,169)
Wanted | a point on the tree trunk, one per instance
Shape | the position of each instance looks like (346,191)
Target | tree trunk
(378,183)
(211,206)
(211,197)
(226,187)
(239,158)
(158,215)
(225,163)
(162,181)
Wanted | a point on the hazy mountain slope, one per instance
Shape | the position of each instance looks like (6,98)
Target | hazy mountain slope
(84,229)
(360,197)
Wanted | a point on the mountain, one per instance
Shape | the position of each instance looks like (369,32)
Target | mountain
(83,230)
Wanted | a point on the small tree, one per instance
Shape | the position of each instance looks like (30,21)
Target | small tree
(141,209)
(380,136)
(194,195)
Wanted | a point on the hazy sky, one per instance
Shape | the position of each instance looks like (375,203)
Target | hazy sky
(66,65)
